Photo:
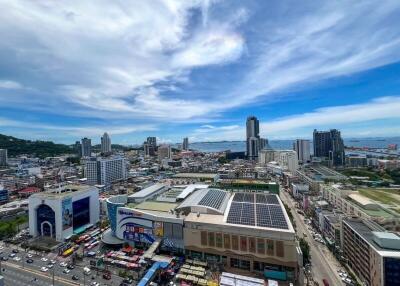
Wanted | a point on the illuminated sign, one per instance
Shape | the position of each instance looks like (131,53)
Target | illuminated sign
(129,213)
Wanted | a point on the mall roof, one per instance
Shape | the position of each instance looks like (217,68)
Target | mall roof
(153,189)
(156,206)
(190,189)
(210,176)
(63,191)
(214,199)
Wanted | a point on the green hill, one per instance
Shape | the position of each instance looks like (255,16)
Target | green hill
(41,149)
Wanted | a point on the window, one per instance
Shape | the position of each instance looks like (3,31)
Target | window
(227,241)
(204,238)
(243,243)
(211,239)
(279,249)
(218,240)
(252,244)
(260,246)
(241,264)
(234,262)
(270,247)
(235,242)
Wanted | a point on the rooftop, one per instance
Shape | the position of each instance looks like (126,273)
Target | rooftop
(210,176)
(148,191)
(63,191)
(156,206)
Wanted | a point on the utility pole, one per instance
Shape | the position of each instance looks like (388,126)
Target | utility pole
(53,274)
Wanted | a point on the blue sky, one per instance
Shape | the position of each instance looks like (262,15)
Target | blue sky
(198,68)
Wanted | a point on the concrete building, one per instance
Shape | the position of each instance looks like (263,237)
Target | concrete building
(372,253)
(105,171)
(265,156)
(164,152)
(252,137)
(78,148)
(86,147)
(356,161)
(3,157)
(302,148)
(288,160)
(61,212)
(185,144)
(105,143)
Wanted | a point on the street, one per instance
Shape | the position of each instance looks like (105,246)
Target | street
(324,264)
(23,273)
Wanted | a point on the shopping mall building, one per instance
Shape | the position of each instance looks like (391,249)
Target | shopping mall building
(62,212)
(243,232)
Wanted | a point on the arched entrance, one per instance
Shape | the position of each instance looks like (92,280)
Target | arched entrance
(46,229)
(46,222)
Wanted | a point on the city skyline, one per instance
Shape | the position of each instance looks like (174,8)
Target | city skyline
(199,70)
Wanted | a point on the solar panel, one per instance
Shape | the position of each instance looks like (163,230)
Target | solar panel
(261,210)
(213,199)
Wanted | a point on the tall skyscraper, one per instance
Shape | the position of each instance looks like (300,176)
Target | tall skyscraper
(105,143)
(185,144)
(164,152)
(252,137)
(302,148)
(152,141)
(3,157)
(329,144)
(86,147)
(78,148)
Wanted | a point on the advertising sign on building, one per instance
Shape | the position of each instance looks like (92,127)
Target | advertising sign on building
(158,229)
(67,213)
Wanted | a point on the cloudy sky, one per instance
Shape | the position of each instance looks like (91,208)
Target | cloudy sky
(198,68)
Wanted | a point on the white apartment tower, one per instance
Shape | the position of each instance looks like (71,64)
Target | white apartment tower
(302,148)
(164,152)
(104,171)
(105,143)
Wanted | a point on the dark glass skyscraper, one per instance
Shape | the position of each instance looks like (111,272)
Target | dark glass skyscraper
(252,137)
(329,144)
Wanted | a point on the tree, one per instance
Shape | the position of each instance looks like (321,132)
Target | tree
(305,249)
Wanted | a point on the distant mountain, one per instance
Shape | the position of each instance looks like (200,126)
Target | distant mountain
(40,149)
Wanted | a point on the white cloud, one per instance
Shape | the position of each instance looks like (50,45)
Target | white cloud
(9,84)
(346,117)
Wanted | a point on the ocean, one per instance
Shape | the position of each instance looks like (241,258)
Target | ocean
(237,146)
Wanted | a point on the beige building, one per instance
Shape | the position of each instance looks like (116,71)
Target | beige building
(252,234)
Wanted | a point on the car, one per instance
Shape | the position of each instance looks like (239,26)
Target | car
(29,260)
(16,258)
(44,269)
(107,276)
(12,255)
(63,264)
(44,259)
(4,258)
(53,261)
(94,283)
(15,250)
(127,281)
(74,277)
(348,280)
(29,255)
(50,265)
(66,271)
(70,267)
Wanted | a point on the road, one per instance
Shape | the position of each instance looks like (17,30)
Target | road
(324,264)
(23,273)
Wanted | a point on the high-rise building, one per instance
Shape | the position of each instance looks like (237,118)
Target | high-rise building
(86,147)
(329,144)
(252,137)
(149,149)
(263,143)
(104,171)
(185,144)
(152,141)
(3,157)
(78,148)
(105,143)
(302,148)
(164,152)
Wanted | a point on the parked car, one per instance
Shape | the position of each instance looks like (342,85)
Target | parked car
(44,269)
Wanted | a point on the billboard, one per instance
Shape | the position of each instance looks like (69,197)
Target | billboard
(158,229)
(67,213)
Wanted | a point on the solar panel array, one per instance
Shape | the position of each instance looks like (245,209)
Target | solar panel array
(261,210)
(213,199)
